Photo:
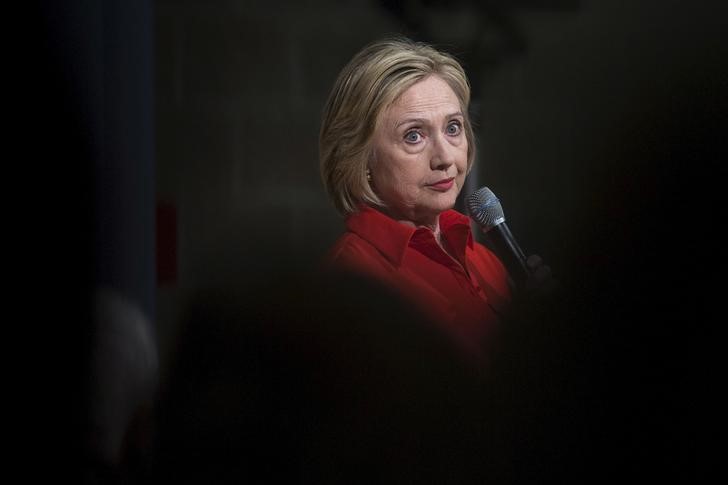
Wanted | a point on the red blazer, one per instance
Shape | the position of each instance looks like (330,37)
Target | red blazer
(464,296)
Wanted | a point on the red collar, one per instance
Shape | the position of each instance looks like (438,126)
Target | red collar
(392,238)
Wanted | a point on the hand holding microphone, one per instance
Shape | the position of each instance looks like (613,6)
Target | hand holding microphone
(528,273)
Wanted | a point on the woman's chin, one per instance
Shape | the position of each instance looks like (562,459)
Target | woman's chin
(444,202)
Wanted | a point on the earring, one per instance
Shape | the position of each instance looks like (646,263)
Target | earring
(369,175)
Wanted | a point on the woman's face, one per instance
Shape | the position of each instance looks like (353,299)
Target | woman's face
(420,152)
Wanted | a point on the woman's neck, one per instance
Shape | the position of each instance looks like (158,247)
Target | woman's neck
(433,225)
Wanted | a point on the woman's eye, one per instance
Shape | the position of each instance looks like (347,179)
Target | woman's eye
(412,137)
(454,128)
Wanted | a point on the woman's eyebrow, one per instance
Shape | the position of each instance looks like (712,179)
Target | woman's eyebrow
(424,120)
(410,120)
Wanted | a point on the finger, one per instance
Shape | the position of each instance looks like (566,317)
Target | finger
(534,261)
(542,272)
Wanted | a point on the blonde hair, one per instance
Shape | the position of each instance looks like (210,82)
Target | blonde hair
(372,80)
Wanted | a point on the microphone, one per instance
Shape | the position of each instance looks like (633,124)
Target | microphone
(485,209)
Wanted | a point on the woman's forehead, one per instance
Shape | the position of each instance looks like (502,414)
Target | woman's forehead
(430,96)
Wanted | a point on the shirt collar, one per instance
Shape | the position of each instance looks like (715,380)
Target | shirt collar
(456,229)
(392,238)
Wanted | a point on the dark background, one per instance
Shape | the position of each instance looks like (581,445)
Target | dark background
(178,143)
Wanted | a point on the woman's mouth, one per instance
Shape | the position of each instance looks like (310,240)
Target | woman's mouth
(442,185)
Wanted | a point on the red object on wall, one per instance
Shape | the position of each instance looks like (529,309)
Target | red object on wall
(166,243)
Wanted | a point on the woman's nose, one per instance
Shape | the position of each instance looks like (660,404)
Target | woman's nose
(443,153)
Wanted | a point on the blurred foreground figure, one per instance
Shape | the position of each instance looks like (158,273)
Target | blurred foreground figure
(122,390)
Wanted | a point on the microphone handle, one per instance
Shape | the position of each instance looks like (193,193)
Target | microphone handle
(504,245)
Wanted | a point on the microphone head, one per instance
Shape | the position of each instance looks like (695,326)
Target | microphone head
(485,208)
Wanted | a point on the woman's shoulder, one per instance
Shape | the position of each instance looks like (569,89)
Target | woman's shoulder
(351,247)
(353,252)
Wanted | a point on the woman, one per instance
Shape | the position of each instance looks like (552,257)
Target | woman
(395,146)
